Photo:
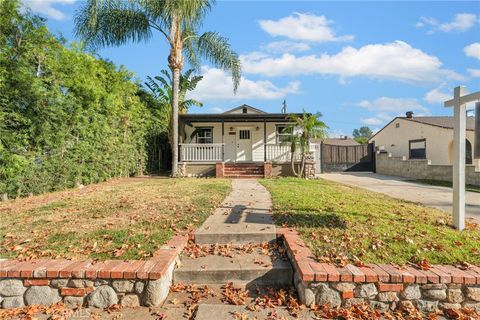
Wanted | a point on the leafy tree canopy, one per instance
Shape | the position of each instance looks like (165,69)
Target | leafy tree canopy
(362,134)
(66,117)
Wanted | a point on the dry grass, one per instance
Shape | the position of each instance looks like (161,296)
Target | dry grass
(123,218)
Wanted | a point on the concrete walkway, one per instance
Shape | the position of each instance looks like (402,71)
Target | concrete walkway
(244,216)
(397,187)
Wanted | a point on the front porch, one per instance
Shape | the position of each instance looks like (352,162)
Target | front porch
(202,160)
(215,152)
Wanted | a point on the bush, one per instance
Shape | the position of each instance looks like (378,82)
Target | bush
(66,117)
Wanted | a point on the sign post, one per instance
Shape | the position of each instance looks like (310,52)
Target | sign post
(459,101)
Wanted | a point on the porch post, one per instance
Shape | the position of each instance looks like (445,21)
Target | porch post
(223,140)
(264,139)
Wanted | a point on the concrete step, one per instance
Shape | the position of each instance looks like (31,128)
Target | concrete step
(206,237)
(238,225)
(224,237)
(249,269)
(230,312)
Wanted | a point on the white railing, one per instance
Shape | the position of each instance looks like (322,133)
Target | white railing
(201,152)
(281,152)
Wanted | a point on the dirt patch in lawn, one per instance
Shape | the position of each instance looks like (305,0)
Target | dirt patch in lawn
(343,224)
(120,219)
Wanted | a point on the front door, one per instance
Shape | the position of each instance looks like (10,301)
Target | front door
(244,144)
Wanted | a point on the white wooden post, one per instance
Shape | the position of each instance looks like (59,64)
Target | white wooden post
(459,101)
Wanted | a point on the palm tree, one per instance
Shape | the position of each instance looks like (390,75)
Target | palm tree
(161,89)
(116,22)
(305,128)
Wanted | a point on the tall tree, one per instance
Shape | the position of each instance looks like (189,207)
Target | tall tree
(362,134)
(113,23)
(161,89)
(305,128)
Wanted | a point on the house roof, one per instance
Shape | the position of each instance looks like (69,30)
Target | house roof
(235,117)
(442,122)
(341,142)
(231,116)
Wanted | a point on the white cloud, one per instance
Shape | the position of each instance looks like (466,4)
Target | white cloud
(217,85)
(397,61)
(216,110)
(387,108)
(286,46)
(473,50)
(304,27)
(461,22)
(436,96)
(474,72)
(372,121)
(397,105)
(46,7)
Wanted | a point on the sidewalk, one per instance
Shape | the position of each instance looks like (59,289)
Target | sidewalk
(398,187)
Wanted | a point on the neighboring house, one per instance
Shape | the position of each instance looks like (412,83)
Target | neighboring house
(243,138)
(343,141)
(428,138)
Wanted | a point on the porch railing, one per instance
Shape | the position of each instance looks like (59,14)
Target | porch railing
(201,152)
(281,152)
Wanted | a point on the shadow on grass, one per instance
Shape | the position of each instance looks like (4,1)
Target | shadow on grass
(310,220)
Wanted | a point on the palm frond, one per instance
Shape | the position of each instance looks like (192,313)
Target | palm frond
(217,50)
(103,23)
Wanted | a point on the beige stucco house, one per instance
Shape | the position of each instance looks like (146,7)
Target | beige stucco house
(428,138)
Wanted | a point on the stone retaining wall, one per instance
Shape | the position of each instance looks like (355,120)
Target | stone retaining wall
(94,284)
(383,286)
(421,169)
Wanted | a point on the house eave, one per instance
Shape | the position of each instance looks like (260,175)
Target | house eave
(269,117)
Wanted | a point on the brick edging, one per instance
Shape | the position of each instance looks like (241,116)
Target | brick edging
(391,277)
(152,269)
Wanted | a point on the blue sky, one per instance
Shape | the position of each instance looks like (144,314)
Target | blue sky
(358,63)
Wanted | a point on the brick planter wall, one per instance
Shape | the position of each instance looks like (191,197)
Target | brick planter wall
(383,286)
(95,284)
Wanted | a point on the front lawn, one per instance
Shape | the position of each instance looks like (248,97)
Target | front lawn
(120,219)
(342,224)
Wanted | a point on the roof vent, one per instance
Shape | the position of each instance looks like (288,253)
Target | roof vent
(409,114)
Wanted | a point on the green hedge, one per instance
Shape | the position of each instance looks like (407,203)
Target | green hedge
(66,117)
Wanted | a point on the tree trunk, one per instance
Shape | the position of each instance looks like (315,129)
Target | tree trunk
(175,92)
(293,148)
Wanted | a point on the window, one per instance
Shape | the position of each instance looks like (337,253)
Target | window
(204,135)
(284,133)
(418,149)
(244,134)
(244,110)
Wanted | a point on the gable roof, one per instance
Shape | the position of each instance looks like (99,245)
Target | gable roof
(255,110)
(442,122)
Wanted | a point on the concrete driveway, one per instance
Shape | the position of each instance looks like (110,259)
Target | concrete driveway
(397,187)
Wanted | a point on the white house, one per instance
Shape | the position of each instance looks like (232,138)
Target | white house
(243,139)
(428,138)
